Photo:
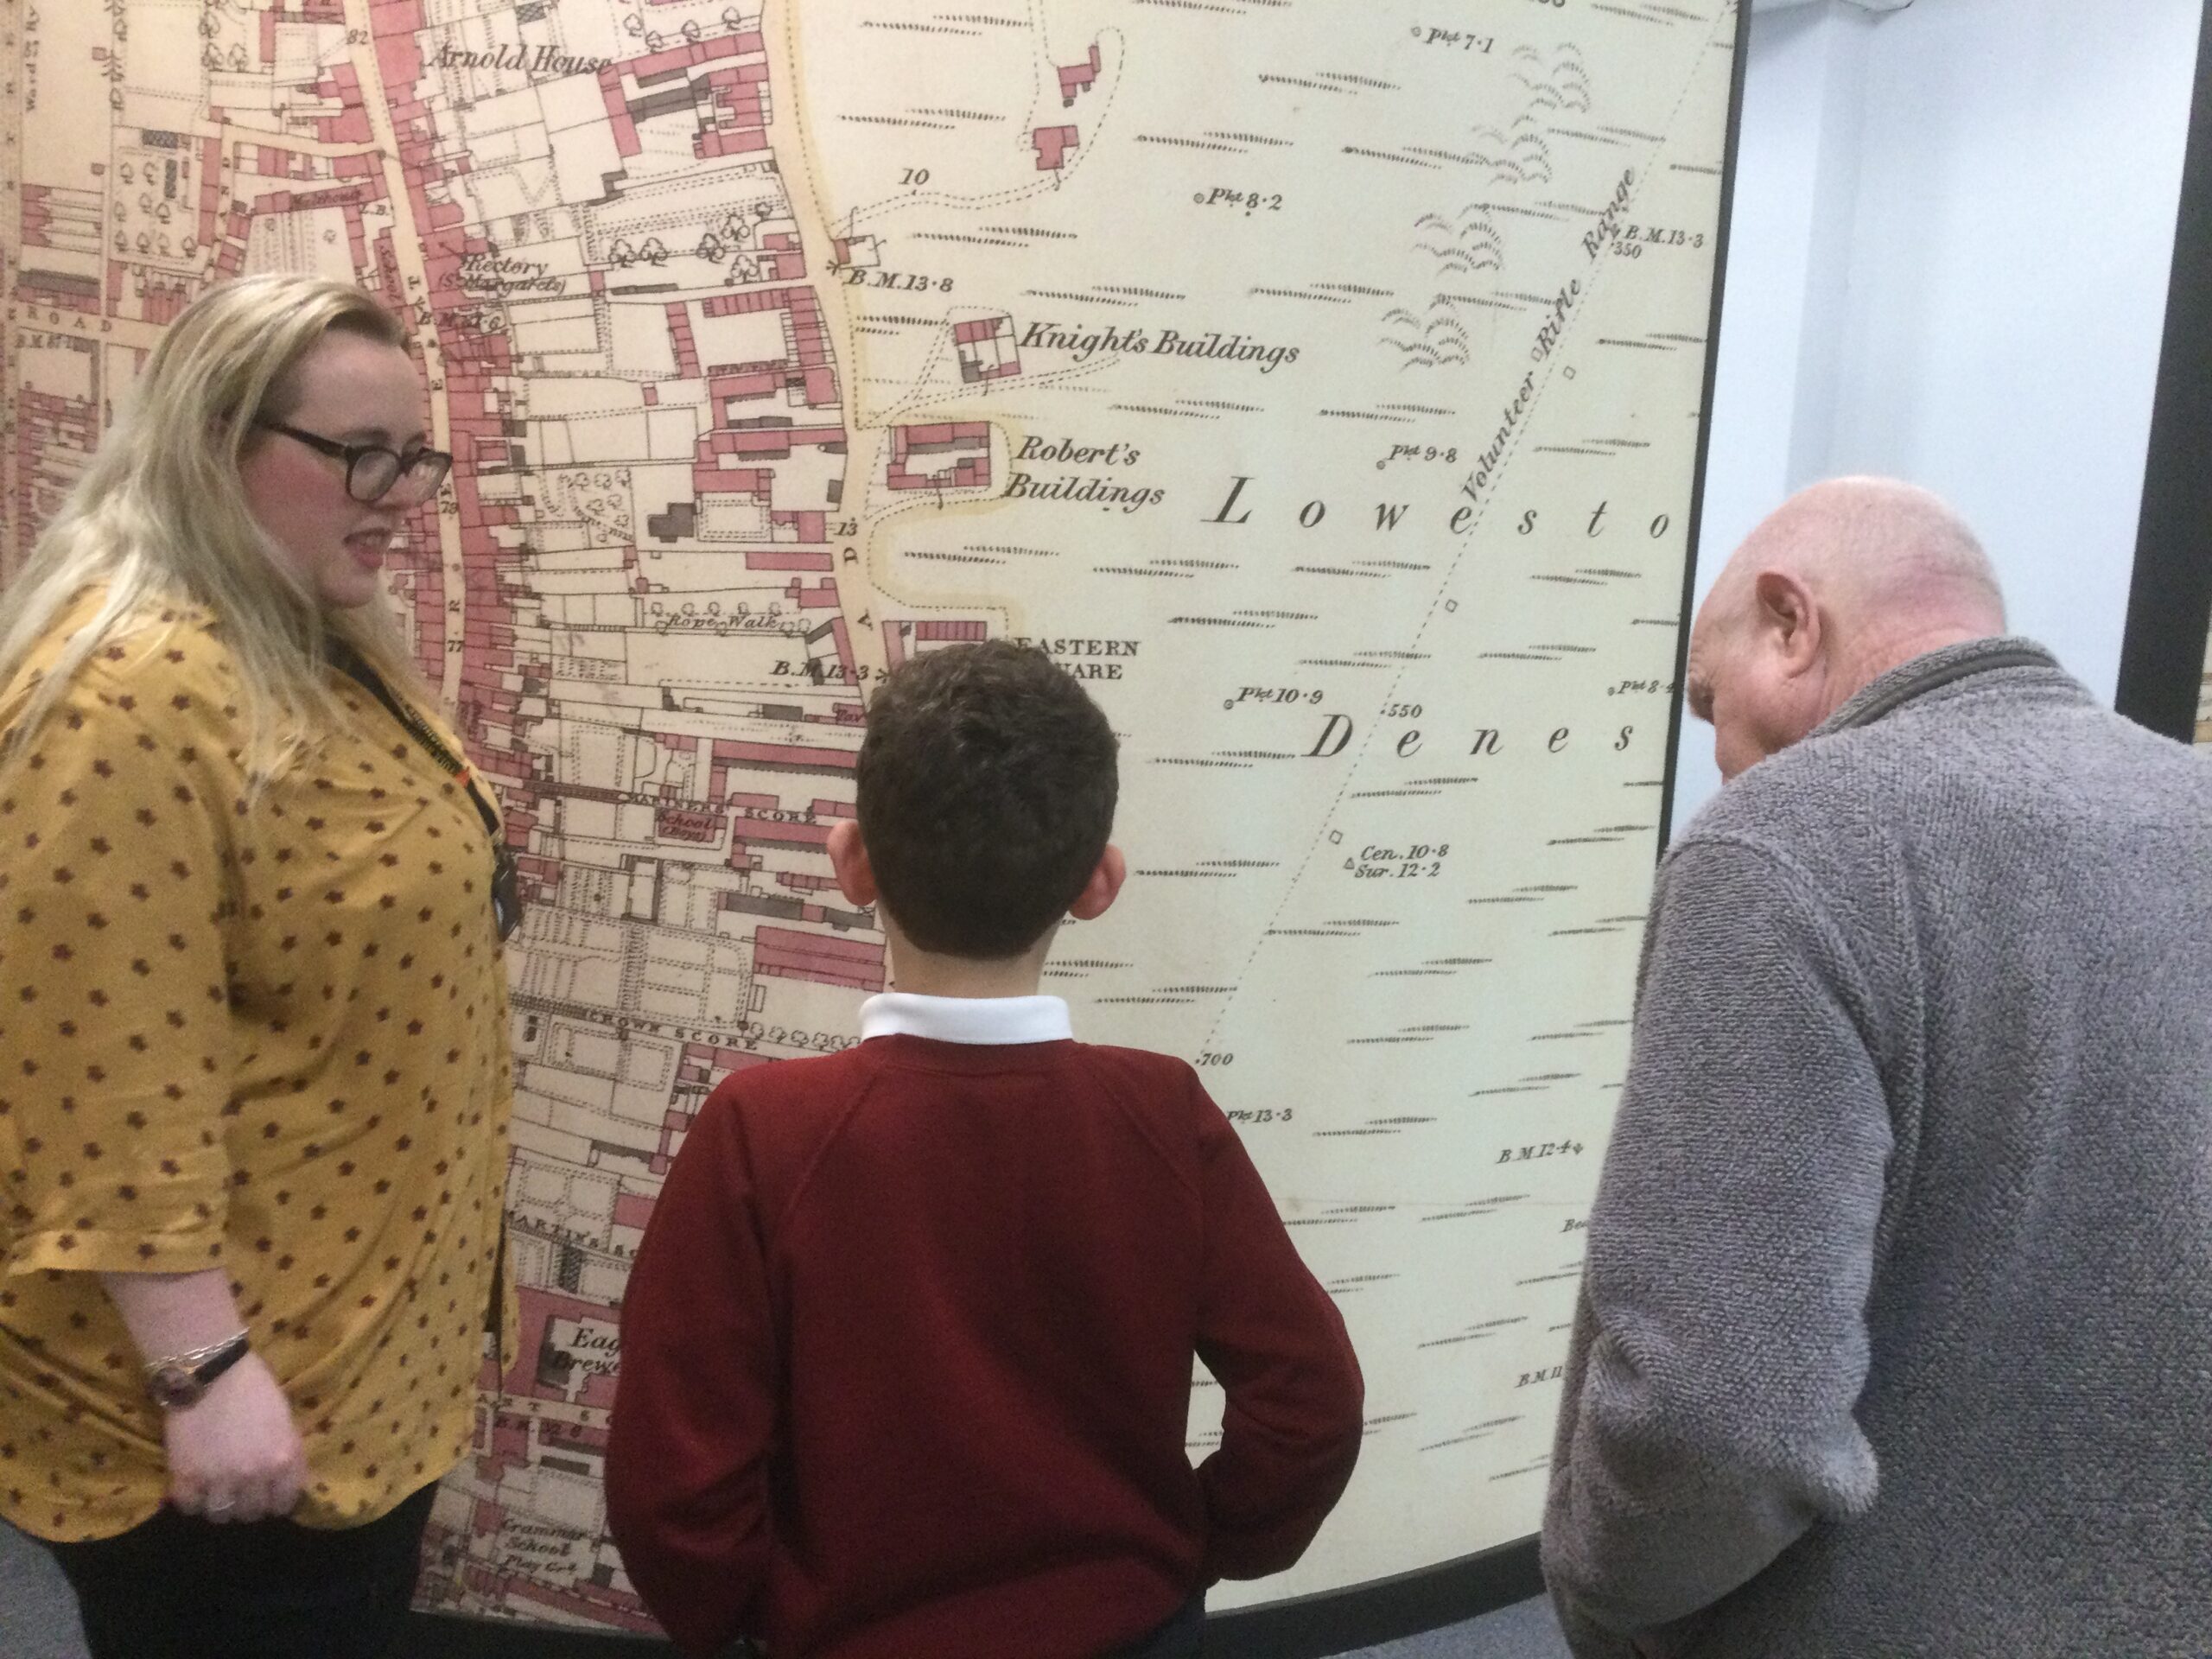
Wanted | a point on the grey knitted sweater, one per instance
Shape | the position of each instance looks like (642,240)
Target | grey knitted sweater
(1896,1329)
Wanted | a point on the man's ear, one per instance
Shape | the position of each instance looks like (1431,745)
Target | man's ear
(1789,619)
(1105,884)
(848,860)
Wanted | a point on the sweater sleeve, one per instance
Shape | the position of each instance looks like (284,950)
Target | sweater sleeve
(1292,1420)
(694,1418)
(1721,1345)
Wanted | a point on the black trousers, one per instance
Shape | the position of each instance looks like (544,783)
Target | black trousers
(180,1587)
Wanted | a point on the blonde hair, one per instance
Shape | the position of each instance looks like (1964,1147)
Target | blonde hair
(160,516)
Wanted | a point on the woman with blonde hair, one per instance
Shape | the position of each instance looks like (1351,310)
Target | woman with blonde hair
(254,1081)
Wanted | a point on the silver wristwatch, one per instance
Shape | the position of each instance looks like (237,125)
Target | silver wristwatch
(182,1379)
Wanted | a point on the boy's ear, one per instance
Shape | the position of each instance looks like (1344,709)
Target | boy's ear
(1098,893)
(848,860)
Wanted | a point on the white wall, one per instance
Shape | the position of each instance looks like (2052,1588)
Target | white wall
(1954,227)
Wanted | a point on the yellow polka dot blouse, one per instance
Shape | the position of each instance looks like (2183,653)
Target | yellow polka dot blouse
(264,1033)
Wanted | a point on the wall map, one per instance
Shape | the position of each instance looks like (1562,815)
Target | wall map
(1321,383)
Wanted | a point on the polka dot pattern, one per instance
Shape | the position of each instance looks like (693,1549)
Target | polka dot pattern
(268,1035)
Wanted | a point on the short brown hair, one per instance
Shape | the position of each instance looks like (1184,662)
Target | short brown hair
(987,788)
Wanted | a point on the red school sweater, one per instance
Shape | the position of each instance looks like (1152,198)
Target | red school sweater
(906,1359)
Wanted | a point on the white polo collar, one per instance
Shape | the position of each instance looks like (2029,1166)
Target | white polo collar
(979,1020)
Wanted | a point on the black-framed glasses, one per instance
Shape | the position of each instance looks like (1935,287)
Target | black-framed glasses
(373,470)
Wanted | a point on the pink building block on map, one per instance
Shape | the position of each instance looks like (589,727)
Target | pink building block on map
(1053,145)
(1079,77)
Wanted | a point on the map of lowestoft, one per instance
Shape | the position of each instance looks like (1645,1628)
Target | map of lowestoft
(1321,384)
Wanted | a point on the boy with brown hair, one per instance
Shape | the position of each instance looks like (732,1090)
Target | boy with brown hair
(907,1348)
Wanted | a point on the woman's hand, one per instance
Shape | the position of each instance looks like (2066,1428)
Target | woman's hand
(236,1454)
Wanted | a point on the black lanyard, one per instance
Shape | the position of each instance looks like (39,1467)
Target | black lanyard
(506,887)
(506,913)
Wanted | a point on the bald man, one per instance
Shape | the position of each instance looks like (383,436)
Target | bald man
(1896,1329)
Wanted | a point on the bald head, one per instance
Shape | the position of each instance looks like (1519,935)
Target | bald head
(1843,582)
(1882,556)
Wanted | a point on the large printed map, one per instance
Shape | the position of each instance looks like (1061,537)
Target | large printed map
(1320,383)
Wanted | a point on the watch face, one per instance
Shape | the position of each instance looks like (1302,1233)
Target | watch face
(173,1388)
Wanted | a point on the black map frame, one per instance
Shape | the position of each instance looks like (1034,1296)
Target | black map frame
(2169,606)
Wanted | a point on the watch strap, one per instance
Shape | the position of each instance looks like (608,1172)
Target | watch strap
(222,1359)
(192,1358)
(181,1379)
